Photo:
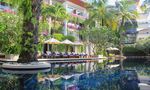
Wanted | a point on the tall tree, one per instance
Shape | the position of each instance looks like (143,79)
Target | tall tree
(57,12)
(102,15)
(30,10)
(125,14)
(101,38)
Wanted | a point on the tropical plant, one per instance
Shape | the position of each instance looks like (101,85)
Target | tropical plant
(57,12)
(58,36)
(30,11)
(10,31)
(9,82)
(101,38)
(132,50)
(101,15)
(144,45)
(125,15)
(69,37)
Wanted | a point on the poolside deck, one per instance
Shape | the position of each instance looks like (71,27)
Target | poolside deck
(59,60)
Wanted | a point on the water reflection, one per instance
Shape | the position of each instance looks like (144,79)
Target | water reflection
(81,76)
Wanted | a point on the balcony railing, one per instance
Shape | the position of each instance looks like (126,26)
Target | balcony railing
(79,16)
(7,9)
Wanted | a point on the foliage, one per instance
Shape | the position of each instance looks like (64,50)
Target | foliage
(10,31)
(58,36)
(132,50)
(30,11)
(76,20)
(141,68)
(113,19)
(141,47)
(69,37)
(100,37)
(125,14)
(43,26)
(144,45)
(9,83)
(101,15)
(57,12)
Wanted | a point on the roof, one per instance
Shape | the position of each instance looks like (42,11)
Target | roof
(144,30)
(62,1)
(78,2)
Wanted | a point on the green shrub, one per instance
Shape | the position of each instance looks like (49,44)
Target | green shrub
(9,82)
(10,33)
(132,50)
(69,37)
(58,36)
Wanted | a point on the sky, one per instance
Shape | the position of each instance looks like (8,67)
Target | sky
(111,2)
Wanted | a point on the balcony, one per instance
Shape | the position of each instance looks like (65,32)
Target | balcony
(78,16)
(74,26)
(7,9)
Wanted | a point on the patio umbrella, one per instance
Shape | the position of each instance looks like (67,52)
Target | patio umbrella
(52,41)
(67,42)
(112,50)
(78,44)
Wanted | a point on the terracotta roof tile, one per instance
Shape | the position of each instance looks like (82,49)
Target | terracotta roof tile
(78,2)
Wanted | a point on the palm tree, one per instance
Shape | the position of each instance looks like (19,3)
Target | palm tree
(57,12)
(102,15)
(30,10)
(124,15)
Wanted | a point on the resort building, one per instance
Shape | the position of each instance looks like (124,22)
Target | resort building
(4,7)
(144,22)
(143,34)
(78,12)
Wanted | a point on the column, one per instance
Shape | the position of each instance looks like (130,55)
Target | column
(65,31)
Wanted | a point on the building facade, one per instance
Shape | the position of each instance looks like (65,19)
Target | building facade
(78,13)
(77,10)
(143,34)
(144,21)
(4,7)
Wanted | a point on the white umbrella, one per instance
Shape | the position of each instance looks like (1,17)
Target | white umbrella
(66,76)
(67,42)
(52,41)
(112,49)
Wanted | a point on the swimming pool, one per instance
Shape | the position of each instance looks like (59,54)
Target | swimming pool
(68,76)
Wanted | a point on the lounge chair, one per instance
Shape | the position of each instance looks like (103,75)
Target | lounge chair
(65,55)
(57,55)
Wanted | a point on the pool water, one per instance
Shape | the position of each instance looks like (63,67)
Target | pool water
(73,77)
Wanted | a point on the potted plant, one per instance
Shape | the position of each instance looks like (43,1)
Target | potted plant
(10,34)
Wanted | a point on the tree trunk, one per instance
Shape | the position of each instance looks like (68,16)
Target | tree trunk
(30,31)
